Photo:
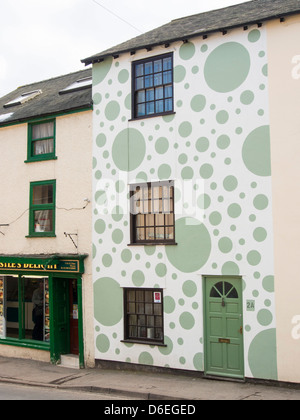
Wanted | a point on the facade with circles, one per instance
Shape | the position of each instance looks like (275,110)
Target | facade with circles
(188,185)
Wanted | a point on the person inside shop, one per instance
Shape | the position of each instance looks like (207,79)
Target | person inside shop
(38,312)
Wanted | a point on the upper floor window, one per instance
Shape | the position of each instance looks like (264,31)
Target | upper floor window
(152,213)
(41,141)
(153,86)
(42,208)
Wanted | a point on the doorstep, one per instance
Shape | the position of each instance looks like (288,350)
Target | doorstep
(69,361)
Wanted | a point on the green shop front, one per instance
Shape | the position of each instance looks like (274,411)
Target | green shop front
(41,304)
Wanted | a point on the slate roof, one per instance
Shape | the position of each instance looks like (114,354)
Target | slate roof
(49,102)
(251,12)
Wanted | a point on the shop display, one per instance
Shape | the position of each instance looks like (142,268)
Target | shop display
(46,312)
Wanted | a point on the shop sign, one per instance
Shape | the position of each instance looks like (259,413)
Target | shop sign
(62,266)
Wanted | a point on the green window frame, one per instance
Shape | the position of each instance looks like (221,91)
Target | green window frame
(41,140)
(42,209)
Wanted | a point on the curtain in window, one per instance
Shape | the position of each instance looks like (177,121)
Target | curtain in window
(43,131)
(43,221)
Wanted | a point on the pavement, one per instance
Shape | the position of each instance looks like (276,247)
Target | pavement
(137,385)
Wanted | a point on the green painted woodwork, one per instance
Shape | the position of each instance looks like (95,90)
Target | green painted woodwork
(224,327)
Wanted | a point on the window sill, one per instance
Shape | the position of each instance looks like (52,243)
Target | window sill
(153,244)
(144,342)
(43,235)
(143,117)
(41,159)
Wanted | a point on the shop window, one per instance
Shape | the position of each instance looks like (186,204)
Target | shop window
(24,308)
(42,208)
(144,315)
(153,86)
(41,141)
(152,213)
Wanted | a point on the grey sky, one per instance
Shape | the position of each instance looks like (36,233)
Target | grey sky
(40,39)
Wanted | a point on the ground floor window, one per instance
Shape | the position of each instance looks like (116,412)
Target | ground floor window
(24,308)
(144,315)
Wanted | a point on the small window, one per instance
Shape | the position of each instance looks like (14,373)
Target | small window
(153,86)
(144,315)
(80,84)
(42,208)
(41,141)
(25,97)
(224,290)
(152,212)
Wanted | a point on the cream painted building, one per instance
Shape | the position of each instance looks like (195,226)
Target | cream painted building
(45,249)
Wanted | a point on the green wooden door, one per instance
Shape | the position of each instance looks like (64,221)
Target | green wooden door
(61,322)
(224,355)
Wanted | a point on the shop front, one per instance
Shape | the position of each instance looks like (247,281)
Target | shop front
(41,304)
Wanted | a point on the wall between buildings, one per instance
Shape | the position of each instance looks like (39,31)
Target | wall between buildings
(216,147)
(284,79)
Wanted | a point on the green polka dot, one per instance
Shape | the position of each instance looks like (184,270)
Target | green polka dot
(162,145)
(123,76)
(268,284)
(169,305)
(234,210)
(138,278)
(102,343)
(108,298)
(189,288)
(101,140)
(215,218)
(202,144)
(179,74)
(185,129)
(254,35)
(194,245)
(230,268)
(262,356)
(247,97)
(100,226)
(117,236)
(187,321)
(145,358)
(198,103)
(112,110)
(126,255)
(169,346)
(187,173)
(227,67)
(117,213)
(261,202)
(225,245)
(223,142)
(253,258)
(97,98)
(222,117)
(129,149)
(107,260)
(198,362)
(230,183)
(204,201)
(187,51)
(100,71)
(256,151)
(161,270)
(164,171)
(206,171)
(260,234)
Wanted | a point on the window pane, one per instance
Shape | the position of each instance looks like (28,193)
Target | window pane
(148,81)
(168,105)
(141,110)
(170,233)
(157,66)
(168,63)
(150,95)
(158,79)
(159,93)
(149,234)
(43,221)
(139,83)
(160,233)
(167,77)
(150,220)
(42,147)
(141,96)
(139,70)
(148,68)
(41,131)
(159,107)
(159,219)
(140,234)
(42,194)
(150,108)
(168,91)
(12,307)
(140,220)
